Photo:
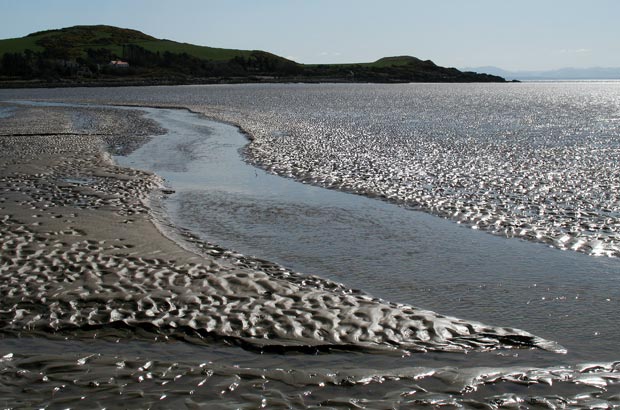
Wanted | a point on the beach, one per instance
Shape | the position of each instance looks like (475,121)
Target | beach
(89,254)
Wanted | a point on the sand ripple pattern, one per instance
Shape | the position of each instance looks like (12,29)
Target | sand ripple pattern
(63,288)
(526,162)
(538,162)
(54,278)
(73,380)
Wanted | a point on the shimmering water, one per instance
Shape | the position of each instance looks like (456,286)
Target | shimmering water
(392,252)
(535,161)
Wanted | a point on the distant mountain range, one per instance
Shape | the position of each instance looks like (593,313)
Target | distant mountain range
(107,55)
(593,73)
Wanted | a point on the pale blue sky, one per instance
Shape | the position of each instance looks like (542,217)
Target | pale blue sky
(524,34)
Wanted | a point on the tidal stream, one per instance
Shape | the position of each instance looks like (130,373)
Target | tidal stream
(391,252)
(386,250)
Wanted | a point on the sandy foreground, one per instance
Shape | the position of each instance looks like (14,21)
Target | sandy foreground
(85,253)
(80,250)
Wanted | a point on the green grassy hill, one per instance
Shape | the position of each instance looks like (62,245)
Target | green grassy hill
(85,52)
(206,53)
(76,40)
(82,54)
(19,45)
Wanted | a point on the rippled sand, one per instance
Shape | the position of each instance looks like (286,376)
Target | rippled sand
(536,168)
(134,383)
(62,272)
(533,161)
(81,257)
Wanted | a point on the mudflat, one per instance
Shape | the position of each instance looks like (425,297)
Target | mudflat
(83,257)
(80,249)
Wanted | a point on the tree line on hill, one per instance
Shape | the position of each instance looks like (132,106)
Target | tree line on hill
(59,63)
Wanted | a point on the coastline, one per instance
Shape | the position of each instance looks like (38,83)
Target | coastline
(209,81)
(103,210)
(122,277)
(142,82)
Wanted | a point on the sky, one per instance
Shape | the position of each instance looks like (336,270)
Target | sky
(514,35)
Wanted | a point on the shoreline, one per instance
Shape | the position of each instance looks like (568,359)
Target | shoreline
(107,283)
(250,286)
(516,229)
(136,82)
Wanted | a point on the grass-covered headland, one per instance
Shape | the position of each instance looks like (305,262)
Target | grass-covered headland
(105,55)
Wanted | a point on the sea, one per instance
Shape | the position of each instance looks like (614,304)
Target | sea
(496,203)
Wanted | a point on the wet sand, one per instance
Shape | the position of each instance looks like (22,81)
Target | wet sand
(74,226)
(83,257)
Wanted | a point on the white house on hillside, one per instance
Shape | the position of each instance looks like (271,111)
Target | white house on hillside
(119,64)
